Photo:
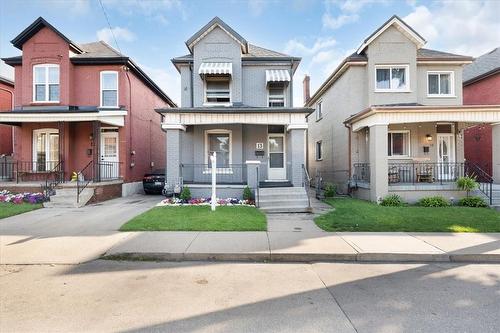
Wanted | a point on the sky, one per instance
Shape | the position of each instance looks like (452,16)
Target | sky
(322,32)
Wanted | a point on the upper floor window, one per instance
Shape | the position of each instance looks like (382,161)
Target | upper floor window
(276,95)
(319,110)
(46,83)
(440,84)
(398,143)
(217,89)
(392,78)
(109,89)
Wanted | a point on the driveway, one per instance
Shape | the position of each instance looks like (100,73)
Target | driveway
(68,235)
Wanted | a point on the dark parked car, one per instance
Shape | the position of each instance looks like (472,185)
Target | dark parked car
(154,182)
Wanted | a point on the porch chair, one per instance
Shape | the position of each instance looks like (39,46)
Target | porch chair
(394,175)
(425,174)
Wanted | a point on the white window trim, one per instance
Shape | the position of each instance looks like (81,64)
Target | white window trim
(205,103)
(316,150)
(452,85)
(269,97)
(219,131)
(390,66)
(46,66)
(101,90)
(318,116)
(35,133)
(395,157)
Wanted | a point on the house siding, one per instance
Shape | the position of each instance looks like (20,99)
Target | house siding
(255,92)
(6,100)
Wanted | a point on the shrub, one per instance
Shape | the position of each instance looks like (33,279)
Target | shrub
(330,190)
(436,201)
(247,193)
(472,202)
(467,183)
(392,200)
(185,194)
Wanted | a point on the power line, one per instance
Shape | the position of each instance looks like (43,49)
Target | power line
(109,25)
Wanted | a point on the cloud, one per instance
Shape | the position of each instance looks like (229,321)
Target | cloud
(121,34)
(74,7)
(463,27)
(168,80)
(294,46)
(257,6)
(158,10)
(349,11)
(336,22)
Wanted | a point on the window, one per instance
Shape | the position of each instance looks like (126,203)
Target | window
(46,83)
(109,89)
(398,143)
(392,78)
(319,110)
(276,95)
(45,149)
(218,141)
(217,90)
(319,151)
(440,84)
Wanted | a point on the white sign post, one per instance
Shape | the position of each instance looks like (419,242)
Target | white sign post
(213,160)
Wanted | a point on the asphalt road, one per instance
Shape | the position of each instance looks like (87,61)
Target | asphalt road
(105,296)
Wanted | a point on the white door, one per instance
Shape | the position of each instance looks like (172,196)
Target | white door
(446,156)
(109,166)
(276,156)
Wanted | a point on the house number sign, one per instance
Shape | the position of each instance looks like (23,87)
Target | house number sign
(259,146)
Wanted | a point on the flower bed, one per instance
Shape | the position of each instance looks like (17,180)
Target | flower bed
(205,202)
(19,198)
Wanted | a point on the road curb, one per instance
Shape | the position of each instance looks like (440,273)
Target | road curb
(307,257)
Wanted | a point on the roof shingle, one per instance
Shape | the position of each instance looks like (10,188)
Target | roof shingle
(484,64)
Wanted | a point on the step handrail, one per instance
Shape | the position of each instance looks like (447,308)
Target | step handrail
(485,180)
(306,182)
(82,184)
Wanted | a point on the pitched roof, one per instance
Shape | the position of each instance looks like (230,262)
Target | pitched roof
(483,66)
(97,50)
(401,25)
(427,54)
(6,81)
(216,21)
(36,26)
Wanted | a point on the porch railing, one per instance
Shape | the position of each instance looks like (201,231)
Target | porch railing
(361,173)
(107,171)
(202,174)
(34,170)
(425,172)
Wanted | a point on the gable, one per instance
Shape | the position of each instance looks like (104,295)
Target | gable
(208,28)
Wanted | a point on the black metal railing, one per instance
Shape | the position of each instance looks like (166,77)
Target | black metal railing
(424,172)
(31,170)
(306,183)
(361,173)
(202,174)
(107,171)
(337,178)
(484,179)
(53,177)
(257,190)
(84,177)
(7,167)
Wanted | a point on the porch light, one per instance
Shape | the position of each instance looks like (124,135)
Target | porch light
(428,137)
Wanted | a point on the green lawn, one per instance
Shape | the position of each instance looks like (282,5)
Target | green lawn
(359,215)
(9,209)
(198,218)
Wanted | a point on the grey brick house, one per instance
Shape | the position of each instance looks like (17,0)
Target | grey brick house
(390,120)
(236,100)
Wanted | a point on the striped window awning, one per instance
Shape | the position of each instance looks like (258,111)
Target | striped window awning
(277,75)
(216,68)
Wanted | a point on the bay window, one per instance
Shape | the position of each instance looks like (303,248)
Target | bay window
(440,84)
(398,143)
(391,78)
(46,83)
(109,89)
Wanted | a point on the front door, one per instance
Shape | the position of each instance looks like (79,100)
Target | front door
(45,149)
(446,156)
(109,166)
(277,157)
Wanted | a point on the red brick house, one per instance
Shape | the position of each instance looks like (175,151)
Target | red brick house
(481,85)
(6,103)
(82,108)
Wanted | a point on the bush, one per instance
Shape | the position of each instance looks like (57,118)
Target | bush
(436,201)
(392,200)
(472,202)
(185,194)
(467,183)
(247,193)
(330,190)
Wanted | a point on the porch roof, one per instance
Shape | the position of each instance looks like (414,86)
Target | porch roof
(17,117)
(404,114)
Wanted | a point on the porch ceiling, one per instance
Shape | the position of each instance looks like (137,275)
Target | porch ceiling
(385,115)
(115,117)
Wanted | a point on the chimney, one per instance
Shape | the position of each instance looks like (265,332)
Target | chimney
(306,90)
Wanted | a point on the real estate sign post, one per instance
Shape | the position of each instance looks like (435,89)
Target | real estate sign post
(213,160)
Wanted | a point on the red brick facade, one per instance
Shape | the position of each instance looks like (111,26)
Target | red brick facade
(6,101)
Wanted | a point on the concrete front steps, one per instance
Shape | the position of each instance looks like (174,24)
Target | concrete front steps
(67,198)
(495,196)
(284,200)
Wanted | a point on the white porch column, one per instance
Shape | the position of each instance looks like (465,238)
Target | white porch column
(378,162)
(173,154)
(297,155)
(495,142)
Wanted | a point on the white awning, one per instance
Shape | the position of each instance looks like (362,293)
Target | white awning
(216,68)
(277,75)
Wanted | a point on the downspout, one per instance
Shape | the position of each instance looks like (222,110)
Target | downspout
(12,108)
(349,157)
(191,68)
(291,84)
(130,152)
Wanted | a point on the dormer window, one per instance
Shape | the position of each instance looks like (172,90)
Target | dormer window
(276,97)
(46,83)
(217,89)
(392,78)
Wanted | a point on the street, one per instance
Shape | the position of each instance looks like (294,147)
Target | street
(104,296)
